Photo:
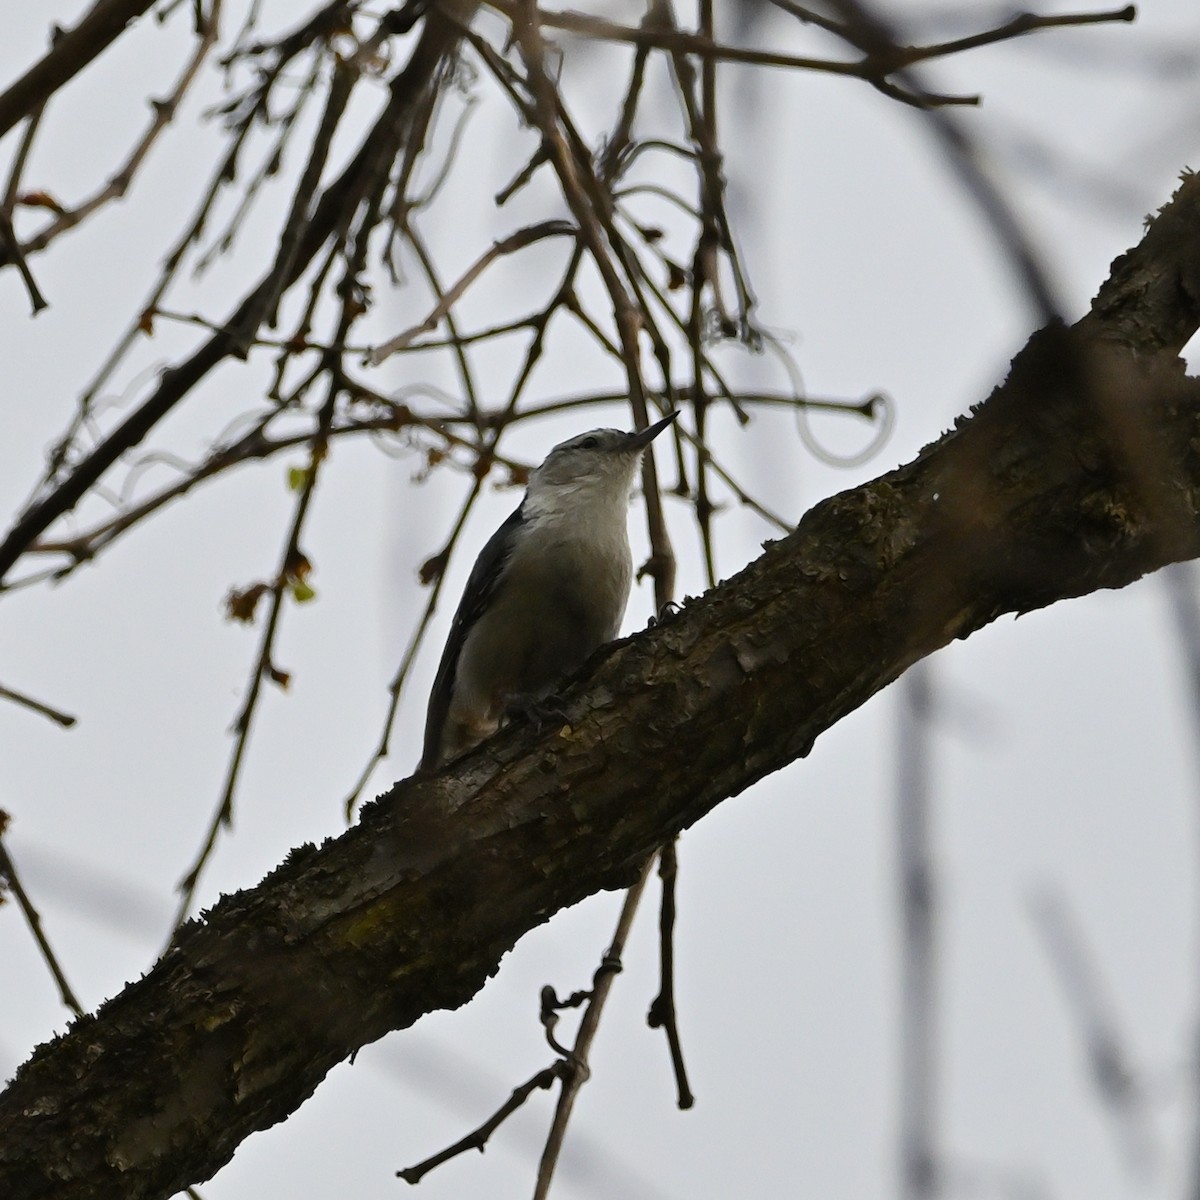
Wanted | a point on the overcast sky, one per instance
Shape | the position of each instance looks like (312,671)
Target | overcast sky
(1063,758)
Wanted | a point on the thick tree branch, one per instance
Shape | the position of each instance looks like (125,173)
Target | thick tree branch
(1081,472)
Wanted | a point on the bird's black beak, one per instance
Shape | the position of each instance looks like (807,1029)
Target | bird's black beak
(640,440)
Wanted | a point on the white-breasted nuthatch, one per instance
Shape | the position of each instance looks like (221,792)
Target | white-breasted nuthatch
(548,588)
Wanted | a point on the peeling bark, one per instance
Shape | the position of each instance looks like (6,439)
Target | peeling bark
(1082,471)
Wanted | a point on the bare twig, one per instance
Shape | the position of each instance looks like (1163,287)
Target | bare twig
(10,245)
(477,1139)
(509,245)
(162,113)
(574,1070)
(34,921)
(263,666)
(293,563)
(436,568)
(662,1008)
(25,701)
(366,171)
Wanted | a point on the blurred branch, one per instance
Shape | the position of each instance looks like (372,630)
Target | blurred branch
(1182,585)
(1113,1076)
(70,51)
(920,1166)
(864,28)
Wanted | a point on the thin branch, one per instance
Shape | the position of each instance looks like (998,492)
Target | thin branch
(662,1013)
(162,114)
(1021,24)
(292,566)
(263,667)
(34,921)
(681,42)
(508,245)
(336,207)
(477,1139)
(17,167)
(435,567)
(12,248)
(25,701)
(574,1070)
(456,341)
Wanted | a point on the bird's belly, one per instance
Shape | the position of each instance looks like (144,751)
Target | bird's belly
(541,629)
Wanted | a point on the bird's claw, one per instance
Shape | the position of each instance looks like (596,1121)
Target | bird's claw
(540,711)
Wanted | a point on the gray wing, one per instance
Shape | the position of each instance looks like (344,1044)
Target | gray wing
(489,566)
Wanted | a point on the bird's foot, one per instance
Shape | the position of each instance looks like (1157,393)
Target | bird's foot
(542,712)
(669,611)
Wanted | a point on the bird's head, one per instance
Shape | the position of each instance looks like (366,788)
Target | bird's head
(597,460)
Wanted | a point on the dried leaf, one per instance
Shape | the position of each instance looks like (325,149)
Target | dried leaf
(240,605)
(41,200)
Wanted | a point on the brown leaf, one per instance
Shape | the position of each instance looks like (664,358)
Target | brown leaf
(283,678)
(240,605)
(41,200)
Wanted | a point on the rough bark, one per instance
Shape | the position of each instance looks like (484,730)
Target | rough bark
(1081,471)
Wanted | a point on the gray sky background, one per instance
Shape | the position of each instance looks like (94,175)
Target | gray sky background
(1063,756)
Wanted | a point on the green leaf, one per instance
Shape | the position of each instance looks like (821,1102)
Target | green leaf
(302,593)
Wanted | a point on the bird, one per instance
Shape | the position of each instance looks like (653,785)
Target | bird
(548,588)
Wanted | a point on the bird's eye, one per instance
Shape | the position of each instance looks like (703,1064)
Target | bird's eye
(589,443)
